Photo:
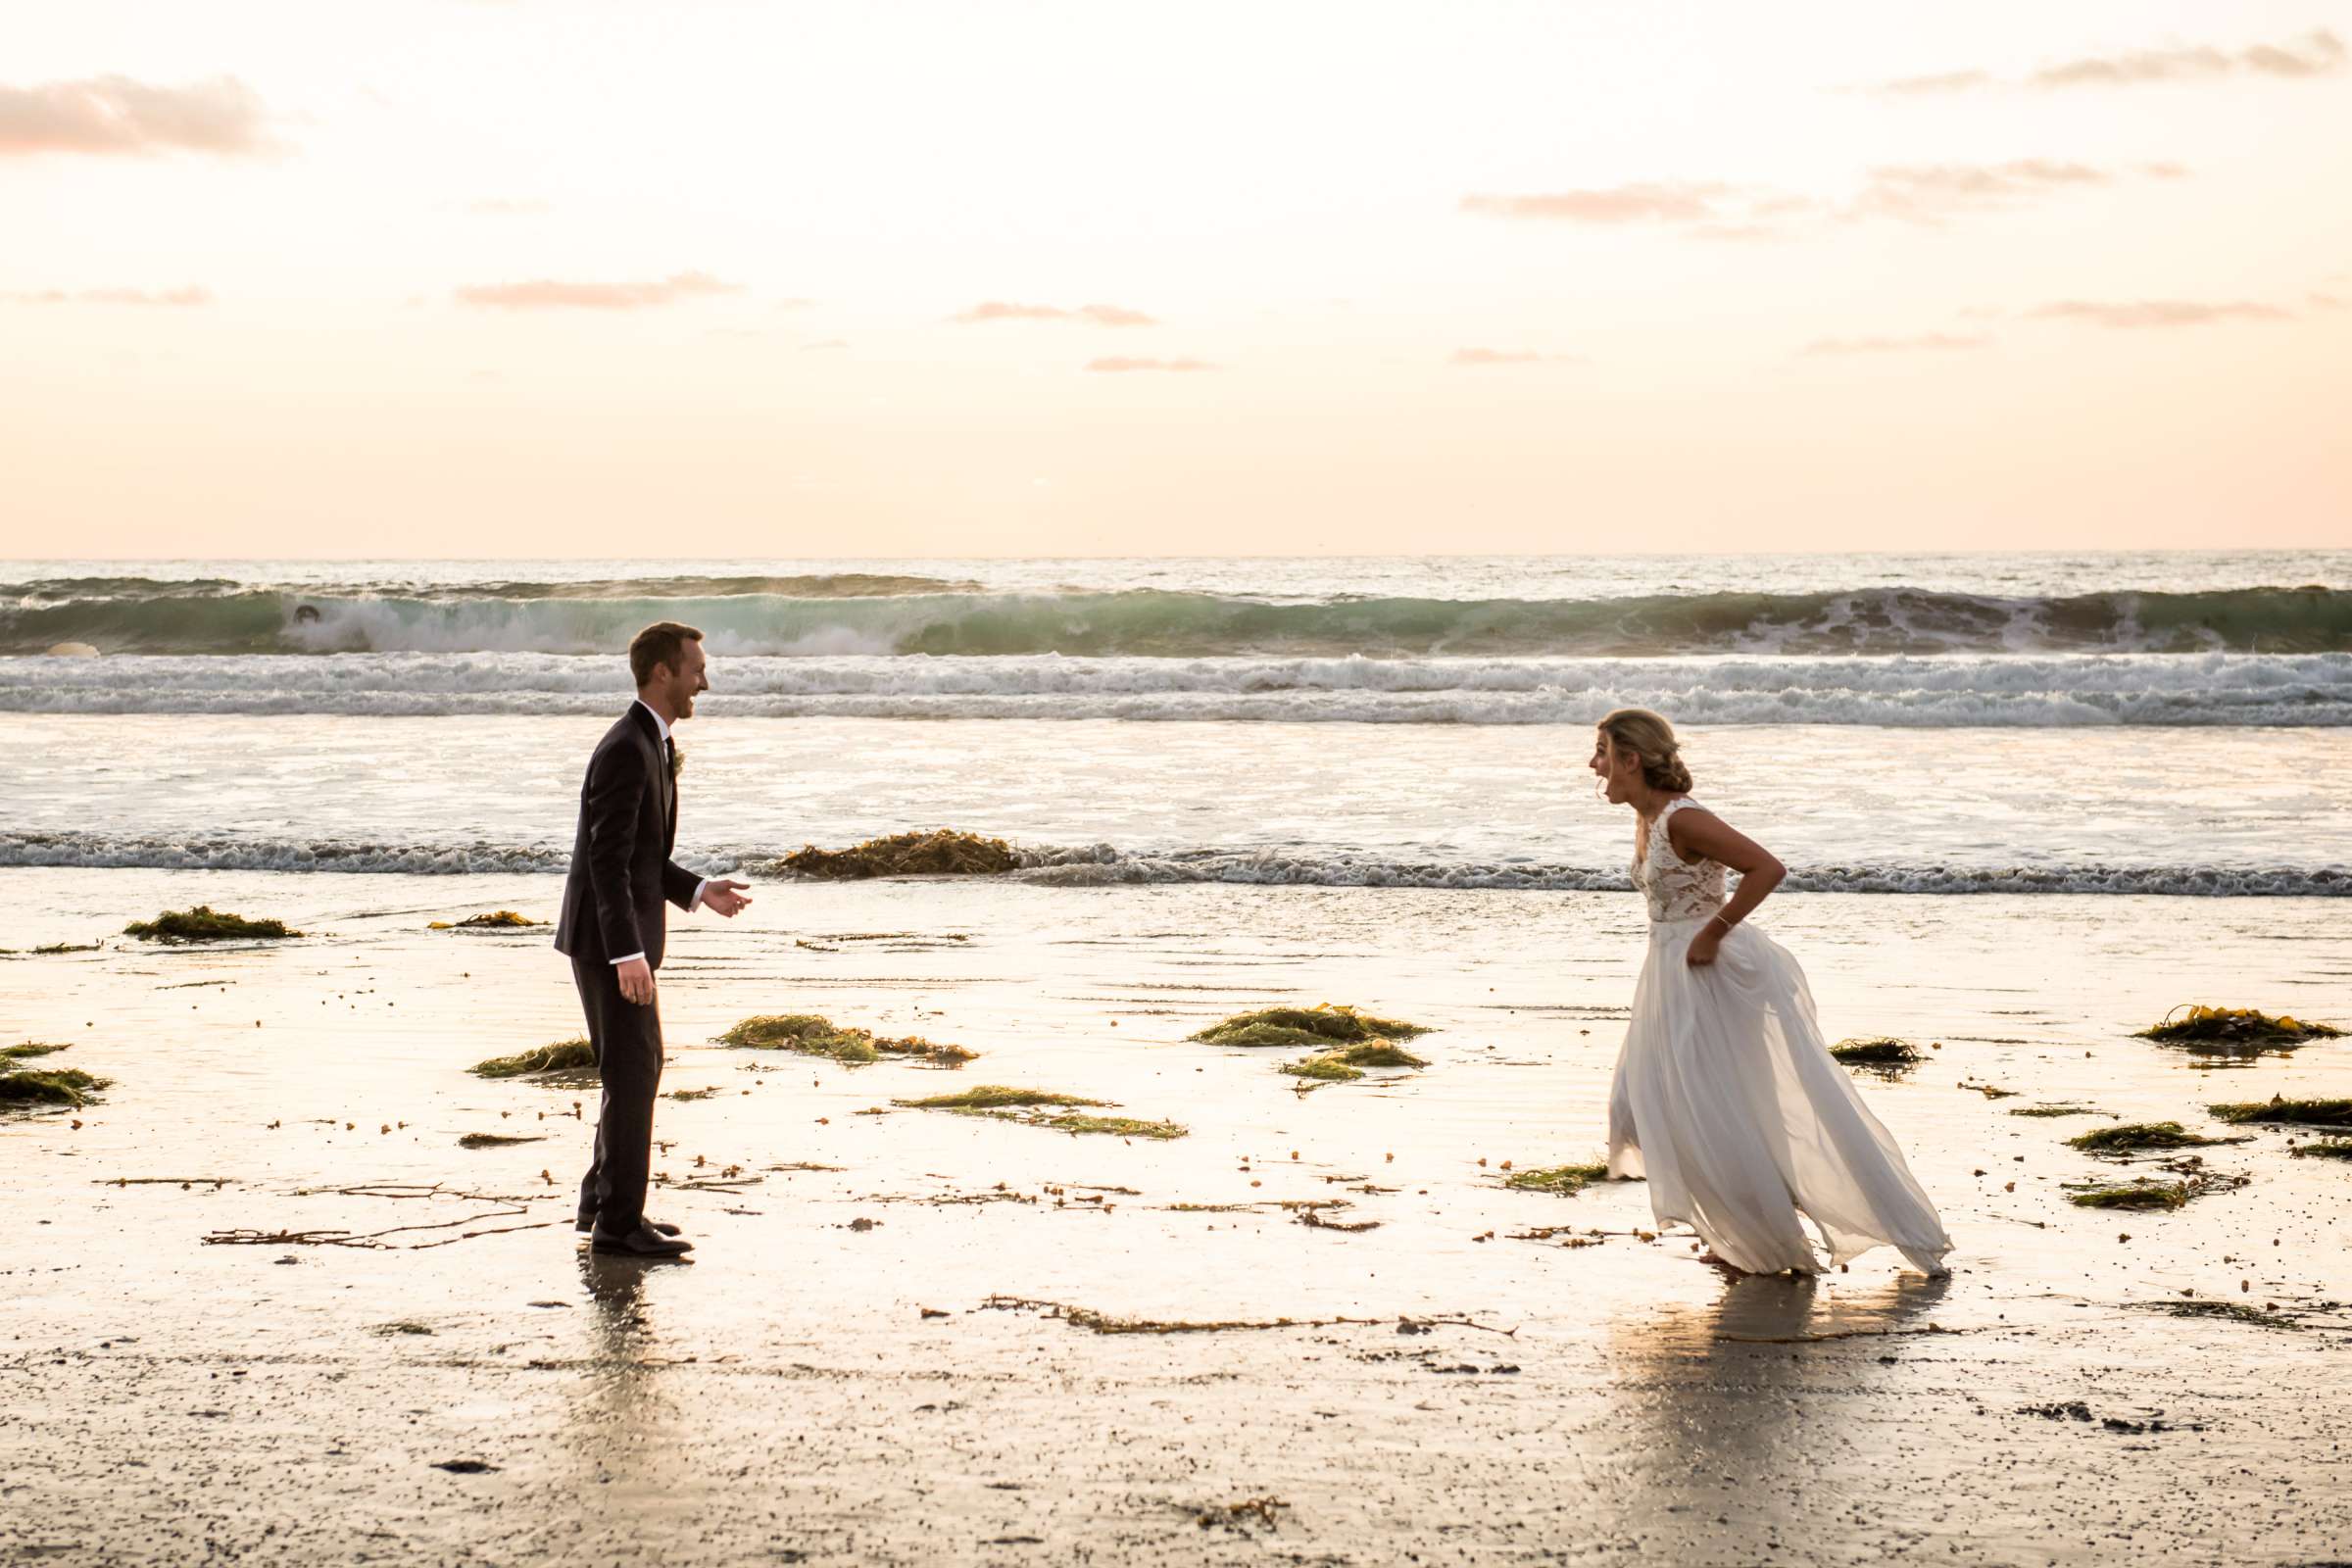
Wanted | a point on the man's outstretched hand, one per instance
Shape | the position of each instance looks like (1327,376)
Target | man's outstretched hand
(727,898)
(636,981)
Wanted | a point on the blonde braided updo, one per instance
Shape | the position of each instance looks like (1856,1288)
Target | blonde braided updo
(1649,737)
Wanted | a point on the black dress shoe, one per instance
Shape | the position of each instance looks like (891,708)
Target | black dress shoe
(586,1221)
(643,1242)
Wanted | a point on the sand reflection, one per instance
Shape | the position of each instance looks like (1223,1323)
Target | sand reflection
(1723,1406)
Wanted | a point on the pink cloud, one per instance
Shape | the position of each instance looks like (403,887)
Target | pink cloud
(1937,342)
(115,296)
(2160,313)
(1621,204)
(547,293)
(1116,366)
(2316,54)
(1095,314)
(116,116)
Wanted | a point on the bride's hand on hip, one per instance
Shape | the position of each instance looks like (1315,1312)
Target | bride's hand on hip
(1701,951)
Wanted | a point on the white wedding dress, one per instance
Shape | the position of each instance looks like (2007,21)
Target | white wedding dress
(1728,1101)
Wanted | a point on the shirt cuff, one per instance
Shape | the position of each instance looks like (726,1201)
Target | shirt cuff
(631,958)
(696,901)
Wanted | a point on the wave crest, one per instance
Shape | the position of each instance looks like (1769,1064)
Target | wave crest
(882,614)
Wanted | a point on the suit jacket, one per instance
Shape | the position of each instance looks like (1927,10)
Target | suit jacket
(620,864)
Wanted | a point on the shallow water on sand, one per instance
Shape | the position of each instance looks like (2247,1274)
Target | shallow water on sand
(785,1393)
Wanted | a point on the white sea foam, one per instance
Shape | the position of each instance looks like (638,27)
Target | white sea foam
(1102,865)
(2018,690)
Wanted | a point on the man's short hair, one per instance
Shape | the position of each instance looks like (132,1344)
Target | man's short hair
(662,643)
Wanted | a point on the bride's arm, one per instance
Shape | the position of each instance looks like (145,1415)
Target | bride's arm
(1702,835)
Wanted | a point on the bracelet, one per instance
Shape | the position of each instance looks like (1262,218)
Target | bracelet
(1720,921)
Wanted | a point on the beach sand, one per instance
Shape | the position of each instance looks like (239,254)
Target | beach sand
(884,1350)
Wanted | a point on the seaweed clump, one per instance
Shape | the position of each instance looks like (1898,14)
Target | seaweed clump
(30,1087)
(2057,1110)
(2136,1194)
(1305,1026)
(2137,1136)
(1349,1062)
(1885,1052)
(940,852)
(204,923)
(2298,1112)
(2325,1148)
(564,1055)
(1042,1107)
(495,920)
(494,1140)
(2234,1027)
(1565,1181)
(815,1036)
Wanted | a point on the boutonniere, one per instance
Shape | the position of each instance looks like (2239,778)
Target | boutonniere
(678,761)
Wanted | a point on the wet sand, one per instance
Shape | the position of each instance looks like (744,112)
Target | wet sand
(1453,1385)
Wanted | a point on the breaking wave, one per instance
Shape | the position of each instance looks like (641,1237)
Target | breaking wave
(881,614)
(1902,690)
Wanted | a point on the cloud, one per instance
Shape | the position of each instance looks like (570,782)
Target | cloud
(1096,315)
(2318,52)
(113,296)
(1931,192)
(1920,193)
(1472,357)
(1937,342)
(2159,312)
(1118,366)
(116,116)
(1620,204)
(547,293)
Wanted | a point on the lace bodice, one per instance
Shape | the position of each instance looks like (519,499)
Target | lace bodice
(1677,889)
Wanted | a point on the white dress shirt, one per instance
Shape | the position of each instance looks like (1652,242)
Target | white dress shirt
(662,726)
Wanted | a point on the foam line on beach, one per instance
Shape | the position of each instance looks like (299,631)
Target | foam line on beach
(2040,691)
(1103,865)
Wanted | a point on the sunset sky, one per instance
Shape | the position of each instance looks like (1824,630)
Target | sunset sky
(617,277)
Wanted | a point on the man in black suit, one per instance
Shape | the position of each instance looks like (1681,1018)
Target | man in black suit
(612,928)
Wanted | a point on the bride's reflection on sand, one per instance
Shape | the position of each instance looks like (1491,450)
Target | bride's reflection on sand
(1763,1408)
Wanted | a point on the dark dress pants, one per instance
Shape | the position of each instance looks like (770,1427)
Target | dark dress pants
(627,1041)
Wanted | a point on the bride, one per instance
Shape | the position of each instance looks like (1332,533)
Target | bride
(1726,1095)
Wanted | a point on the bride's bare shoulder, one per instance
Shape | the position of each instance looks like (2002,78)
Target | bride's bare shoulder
(1691,828)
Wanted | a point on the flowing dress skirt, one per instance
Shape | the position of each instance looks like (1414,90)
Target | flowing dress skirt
(1728,1101)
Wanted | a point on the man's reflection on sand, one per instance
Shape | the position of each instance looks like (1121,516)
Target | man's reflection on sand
(621,1426)
(1778,1378)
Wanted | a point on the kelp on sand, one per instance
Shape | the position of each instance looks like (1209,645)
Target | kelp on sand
(940,852)
(2139,1135)
(812,1035)
(30,1087)
(1043,1108)
(2234,1031)
(1323,1025)
(2278,1110)
(495,920)
(1347,1062)
(1886,1053)
(204,923)
(1564,1181)
(564,1055)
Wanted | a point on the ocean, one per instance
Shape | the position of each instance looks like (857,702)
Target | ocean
(2079,722)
